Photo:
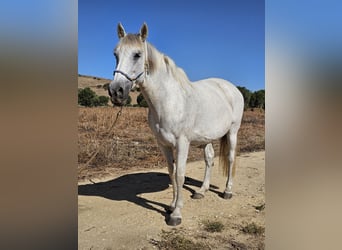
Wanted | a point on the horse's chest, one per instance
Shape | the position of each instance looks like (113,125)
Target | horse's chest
(164,135)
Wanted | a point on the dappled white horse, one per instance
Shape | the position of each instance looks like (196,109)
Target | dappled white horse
(180,111)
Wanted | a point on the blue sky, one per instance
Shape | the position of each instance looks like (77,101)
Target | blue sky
(215,38)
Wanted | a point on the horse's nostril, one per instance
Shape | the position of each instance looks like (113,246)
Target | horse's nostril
(109,93)
(120,91)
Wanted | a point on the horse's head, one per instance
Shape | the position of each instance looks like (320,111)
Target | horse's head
(130,54)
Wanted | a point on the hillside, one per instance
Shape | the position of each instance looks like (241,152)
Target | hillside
(96,84)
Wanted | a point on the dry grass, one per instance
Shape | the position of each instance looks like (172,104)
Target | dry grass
(213,226)
(212,236)
(131,145)
(178,240)
(252,131)
(252,228)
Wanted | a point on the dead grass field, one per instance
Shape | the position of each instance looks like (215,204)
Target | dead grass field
(131,144)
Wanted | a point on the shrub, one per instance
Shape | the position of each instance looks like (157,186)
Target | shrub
(141,101)
(213,226)
(103,100)
(88,98)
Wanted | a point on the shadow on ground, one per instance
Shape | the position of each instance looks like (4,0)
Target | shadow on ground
(128,187)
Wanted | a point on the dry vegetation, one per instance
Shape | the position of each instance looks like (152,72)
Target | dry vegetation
(209,237)
(131,145)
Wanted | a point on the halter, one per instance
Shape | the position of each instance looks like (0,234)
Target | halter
(133,80)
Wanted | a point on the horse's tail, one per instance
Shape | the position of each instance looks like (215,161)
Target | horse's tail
(223,159)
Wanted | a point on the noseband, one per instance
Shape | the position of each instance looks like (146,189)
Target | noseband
(133,80)
(127,76)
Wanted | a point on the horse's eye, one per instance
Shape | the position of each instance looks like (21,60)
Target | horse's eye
(137,55)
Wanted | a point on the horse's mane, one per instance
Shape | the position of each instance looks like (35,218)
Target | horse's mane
(177,72)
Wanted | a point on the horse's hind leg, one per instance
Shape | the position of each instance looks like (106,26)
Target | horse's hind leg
(209,163)
(227,194)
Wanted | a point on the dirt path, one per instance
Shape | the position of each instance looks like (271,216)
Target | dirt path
(127,211)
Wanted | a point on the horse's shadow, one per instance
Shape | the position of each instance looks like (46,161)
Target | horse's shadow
(129,187)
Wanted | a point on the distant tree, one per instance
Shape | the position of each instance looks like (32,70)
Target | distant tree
(246,93)
(258,99)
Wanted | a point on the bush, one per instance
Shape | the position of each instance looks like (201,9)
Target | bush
(141,101)
(88,98)
(103,100)
(213,226)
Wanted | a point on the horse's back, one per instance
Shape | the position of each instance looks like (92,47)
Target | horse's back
(221,93)
(217,105)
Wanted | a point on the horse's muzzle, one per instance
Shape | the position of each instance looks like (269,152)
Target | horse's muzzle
(118,93)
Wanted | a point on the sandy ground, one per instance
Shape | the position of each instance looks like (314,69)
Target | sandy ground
(127,210)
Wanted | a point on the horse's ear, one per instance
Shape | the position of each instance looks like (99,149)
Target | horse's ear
(143,32)
(121,31)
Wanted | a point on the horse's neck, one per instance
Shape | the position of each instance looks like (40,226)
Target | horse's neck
(161,89)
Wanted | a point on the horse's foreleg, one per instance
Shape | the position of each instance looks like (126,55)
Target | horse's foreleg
(209,162)
(168,153)
(182,149)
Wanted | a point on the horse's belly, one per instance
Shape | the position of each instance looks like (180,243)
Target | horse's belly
(203,137)
(211,125)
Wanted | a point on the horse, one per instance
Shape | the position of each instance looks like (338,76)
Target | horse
(180,112)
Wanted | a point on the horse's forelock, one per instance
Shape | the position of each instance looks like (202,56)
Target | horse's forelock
(131,39)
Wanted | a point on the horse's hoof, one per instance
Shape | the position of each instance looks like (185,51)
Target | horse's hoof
(174,221)
(227,196)
(197,196)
